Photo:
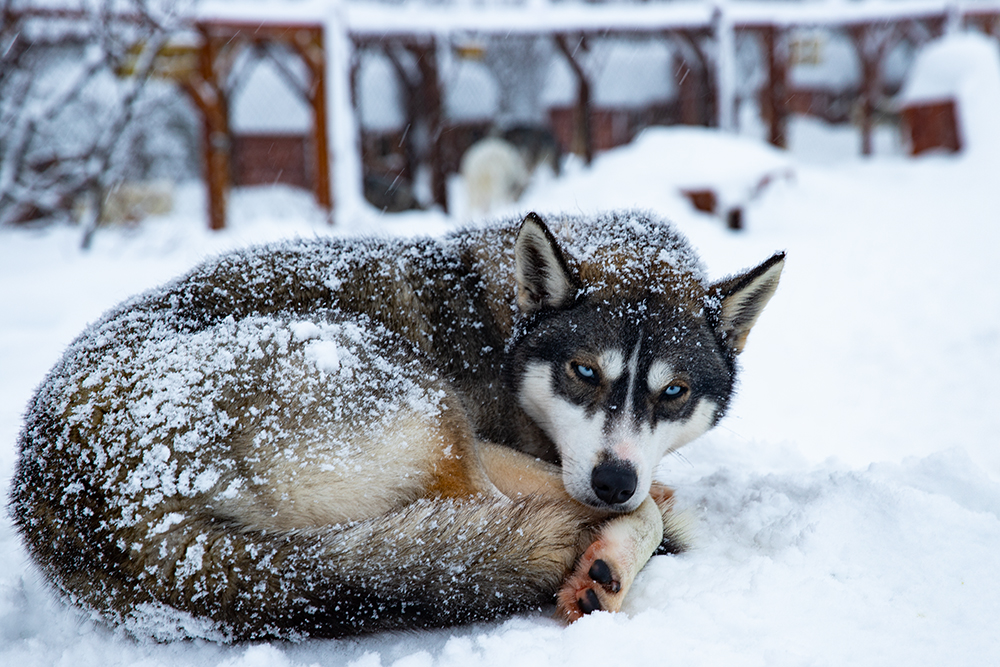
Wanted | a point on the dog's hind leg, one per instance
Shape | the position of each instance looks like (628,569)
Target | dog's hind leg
(435,562)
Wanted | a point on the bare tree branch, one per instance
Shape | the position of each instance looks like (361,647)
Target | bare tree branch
(60,141)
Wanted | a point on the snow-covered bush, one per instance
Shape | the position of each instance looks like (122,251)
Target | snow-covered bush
(70,125)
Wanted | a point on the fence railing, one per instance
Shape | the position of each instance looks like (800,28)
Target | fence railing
(416,43)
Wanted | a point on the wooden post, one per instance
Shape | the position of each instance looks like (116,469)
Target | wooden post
(686,80)
(702,89)
(309,44)
(773,105)
(582,131)
(221,43)
(413,109)
(872,43)
(859,36)
(430,89)
(216,129)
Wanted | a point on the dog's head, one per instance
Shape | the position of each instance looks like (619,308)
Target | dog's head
(626,354)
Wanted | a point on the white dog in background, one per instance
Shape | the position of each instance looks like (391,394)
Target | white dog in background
(495,174)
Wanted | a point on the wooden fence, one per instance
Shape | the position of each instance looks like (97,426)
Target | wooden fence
(700,31)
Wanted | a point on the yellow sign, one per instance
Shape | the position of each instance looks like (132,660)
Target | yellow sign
(172,61)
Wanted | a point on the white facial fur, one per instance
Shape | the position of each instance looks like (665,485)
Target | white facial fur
(659,376)
(612,364)
(581,439)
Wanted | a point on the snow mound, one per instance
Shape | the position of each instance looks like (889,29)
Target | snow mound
(964,68)
(653,170)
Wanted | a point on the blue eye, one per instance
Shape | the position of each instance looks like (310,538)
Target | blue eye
(674,391)
(586,373)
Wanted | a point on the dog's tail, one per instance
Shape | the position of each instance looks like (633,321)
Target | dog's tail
(430,564)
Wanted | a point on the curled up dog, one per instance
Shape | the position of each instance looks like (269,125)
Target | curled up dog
(330,437)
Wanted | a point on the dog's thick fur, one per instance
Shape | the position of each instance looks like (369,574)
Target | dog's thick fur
(329,437)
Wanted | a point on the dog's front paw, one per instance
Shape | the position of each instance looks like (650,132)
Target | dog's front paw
(606,570)
(594,585)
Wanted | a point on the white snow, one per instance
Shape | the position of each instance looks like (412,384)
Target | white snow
(736,179)
(325,354)
(846,512)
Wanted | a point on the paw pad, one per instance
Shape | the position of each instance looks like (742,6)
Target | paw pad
(601,573)
(589,603)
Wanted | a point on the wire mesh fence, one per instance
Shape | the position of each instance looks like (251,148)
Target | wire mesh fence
(421,105)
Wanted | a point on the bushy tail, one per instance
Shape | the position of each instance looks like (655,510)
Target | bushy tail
(432,563)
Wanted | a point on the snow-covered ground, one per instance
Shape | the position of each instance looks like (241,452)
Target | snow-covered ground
(846,512)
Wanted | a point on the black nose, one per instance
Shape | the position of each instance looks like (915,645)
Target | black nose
(613,482)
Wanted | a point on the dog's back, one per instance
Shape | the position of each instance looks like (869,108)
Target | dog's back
(250,445)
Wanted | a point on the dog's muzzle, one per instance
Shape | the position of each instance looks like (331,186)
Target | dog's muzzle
(614,482)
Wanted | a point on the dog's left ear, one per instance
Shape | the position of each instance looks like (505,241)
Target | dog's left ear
(544,281)
(743,297)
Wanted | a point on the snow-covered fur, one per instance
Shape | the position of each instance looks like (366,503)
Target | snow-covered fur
(495,174)
(327,437)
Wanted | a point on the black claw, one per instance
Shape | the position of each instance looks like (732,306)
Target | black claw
(589,603)
(671,544)
(601,573)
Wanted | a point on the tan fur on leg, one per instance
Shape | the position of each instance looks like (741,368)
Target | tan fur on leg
(612,556)
(516,475)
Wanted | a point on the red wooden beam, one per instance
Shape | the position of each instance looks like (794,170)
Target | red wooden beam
(308,42)
(583,132)
(774,105)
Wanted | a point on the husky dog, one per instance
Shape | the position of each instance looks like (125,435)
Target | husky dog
(537,145)
(329,437)
(495,174)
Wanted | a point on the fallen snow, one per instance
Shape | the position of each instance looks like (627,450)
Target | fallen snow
(847,512)
(682,162)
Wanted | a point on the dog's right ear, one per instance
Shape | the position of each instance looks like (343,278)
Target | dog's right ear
(743,297)
(544,281)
